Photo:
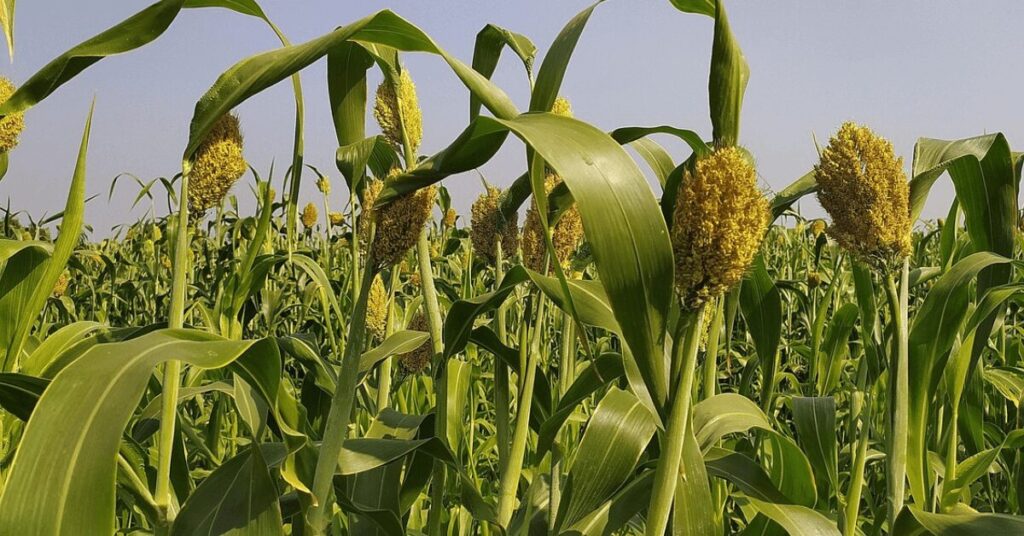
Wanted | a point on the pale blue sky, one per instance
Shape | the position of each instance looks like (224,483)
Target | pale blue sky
(908,69)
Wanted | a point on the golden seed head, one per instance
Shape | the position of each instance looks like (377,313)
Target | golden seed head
(449,217)
(324,185)
(417,360)
(562,107)
(487,227)
(11,125)
(370,193)
(337,218)
(377,308)
(399,224)
(813,279)
(309,215)
(817,228)
(61,286)
(395,106)
(218,164)
(864,189)
(719,221)
(566,235)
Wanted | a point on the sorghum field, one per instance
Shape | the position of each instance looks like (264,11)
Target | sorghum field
(581,354)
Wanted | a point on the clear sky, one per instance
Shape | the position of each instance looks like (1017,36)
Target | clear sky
(908,69)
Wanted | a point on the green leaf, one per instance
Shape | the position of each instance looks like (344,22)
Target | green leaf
(932,334)
(913,521)
(616,435)
(725,414)
(599,373)
(807,184)
(762,310)
(238,498)
(7,21)
(490,41)
(815,420)
(20,392)
(256,73)
(62,476)
(797,520)
(28,279)
(727,81)
(134,32)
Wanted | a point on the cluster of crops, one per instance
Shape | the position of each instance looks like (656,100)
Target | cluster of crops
(692,358)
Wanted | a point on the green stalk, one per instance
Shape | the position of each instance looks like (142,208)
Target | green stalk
(899,404)
(501,387)
(384,372)
(340,414)
(172,370)
(853,494)
(666,475)
(566,367)
(528,352)
(437,483)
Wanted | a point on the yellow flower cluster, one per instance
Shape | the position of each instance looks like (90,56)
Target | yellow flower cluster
(864,189)
(719,221)
(487,227)
(337,219)
(415,361)
(377,308)
(397,106)
(566,235)
(12,124)
(217,165)
(449,217)
(324,185)
(309,215)
(817,228)
(562,107)
(61,286)
(398,223)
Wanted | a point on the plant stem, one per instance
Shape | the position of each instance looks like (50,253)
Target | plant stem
(437,483)
(666,476)
(853,494)
(340,414)
(384,373)
(172,369)
(899,405)
(528,351)
(501,387)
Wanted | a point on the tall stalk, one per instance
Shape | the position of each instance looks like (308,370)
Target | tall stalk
(529,348)
(340,414)
(172,369)
(666,476)
(899,376)
(437,483)
(501,387)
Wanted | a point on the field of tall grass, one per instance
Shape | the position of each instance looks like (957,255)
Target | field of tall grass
(581,354)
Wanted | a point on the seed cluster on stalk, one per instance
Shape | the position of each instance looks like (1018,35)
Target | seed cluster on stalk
(718,224)
(864,189)
(566,232)
(12,124)
(377,308)
(416,361)
(218,163)
(309,215)
(398,106)
(398,223)
(488,226)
